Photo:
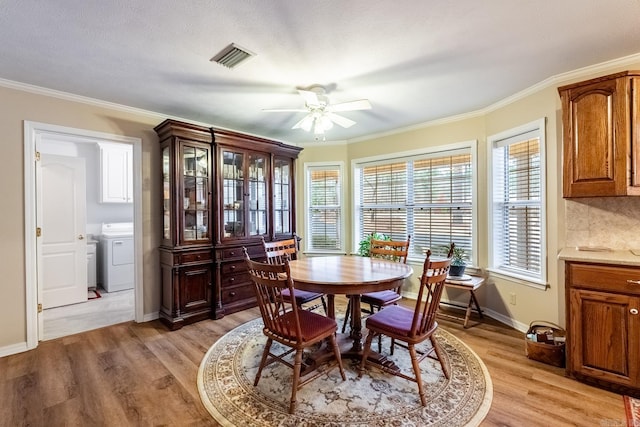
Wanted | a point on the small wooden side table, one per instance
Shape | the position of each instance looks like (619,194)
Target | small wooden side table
(469,285)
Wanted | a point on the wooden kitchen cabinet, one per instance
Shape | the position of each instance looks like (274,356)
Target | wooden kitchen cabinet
(255,198)
(603,324)
(186,251)
(601,132)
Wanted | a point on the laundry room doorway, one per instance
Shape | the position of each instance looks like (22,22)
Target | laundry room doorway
(65,234)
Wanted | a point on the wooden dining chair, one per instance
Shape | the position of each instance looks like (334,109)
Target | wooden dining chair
(275,253)
(413,326)
(286,323)
(392,250)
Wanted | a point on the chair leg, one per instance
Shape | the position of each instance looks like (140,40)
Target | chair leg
(393,344)
(346,316)
(439,354)
(297,366)
(324,305)
(365,352)
(379,335)
(416,371)
(263,361)
(336,352)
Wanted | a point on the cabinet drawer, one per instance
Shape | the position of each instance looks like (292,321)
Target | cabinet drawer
(195,257)
(236,280)
(236,253)
(233,267)
(604,277)
(237,293)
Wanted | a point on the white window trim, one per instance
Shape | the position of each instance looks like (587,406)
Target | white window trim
(471,145)
(536,125)
(307,204)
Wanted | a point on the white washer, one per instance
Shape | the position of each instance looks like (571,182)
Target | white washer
(116,244)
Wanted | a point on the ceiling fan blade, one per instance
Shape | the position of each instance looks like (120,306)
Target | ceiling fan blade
(286,110)
(361,104)
(310,98)
(305,123)
(342,121)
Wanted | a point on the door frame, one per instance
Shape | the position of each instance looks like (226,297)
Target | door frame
(33,133)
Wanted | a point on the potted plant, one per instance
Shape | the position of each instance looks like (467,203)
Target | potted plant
(458,262)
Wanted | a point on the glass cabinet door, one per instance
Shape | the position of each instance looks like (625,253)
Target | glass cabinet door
(257,193)
(233,194)
(195,175)
(282,196)
(166,194)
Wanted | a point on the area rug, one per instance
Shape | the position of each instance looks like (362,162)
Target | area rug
(227,372)
(632,409)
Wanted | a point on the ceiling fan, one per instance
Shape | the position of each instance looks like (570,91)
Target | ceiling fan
(321,114)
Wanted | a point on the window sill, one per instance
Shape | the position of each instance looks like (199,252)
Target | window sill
(322,253)
(521,280)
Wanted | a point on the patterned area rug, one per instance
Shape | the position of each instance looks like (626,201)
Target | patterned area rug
(632,409)
(226,374)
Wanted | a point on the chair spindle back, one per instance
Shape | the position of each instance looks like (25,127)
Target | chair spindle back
(431,286)
(276,251)
(279,315)
(392,250)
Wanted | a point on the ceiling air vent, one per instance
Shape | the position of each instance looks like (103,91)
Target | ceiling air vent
(232,56)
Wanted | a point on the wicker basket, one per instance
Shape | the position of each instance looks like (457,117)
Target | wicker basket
(551,352)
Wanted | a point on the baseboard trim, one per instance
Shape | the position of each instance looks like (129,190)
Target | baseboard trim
(519,326)
(151,316)
(13,349)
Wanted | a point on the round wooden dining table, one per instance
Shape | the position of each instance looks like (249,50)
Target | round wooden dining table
(351,276)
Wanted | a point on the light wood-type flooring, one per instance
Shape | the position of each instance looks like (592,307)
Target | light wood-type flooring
(142,375)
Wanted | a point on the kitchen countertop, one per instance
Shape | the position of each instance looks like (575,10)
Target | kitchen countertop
(620,257)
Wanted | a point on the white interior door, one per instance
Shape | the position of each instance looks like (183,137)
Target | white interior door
(61,217)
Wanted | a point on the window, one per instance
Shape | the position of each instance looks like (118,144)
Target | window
(324,207)
(517,210)
(427,195)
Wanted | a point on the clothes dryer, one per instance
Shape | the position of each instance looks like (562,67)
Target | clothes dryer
(117,256)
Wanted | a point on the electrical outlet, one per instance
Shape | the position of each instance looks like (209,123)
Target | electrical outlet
(512,298)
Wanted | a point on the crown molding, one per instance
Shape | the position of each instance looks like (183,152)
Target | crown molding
(431,123)
(66,96)
(556,80)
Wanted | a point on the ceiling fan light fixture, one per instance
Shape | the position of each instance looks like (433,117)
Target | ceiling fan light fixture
(307,123)
(326,122)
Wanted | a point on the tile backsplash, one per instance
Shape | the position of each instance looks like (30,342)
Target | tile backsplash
(613,222)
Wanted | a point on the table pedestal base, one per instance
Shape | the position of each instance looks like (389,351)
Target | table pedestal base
(348,351)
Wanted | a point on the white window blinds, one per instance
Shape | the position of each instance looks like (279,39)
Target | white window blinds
(324,215)
(427,197)
(518,203)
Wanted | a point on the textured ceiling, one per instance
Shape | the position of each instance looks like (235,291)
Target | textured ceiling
(415,60)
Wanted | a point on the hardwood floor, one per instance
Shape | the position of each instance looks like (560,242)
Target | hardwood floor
(142,374)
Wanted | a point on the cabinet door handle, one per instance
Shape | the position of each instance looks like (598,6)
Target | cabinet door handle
(633,311)
(633,282)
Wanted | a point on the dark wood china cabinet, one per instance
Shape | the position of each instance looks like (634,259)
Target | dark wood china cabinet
(186,251)
(255,199)
(222,191)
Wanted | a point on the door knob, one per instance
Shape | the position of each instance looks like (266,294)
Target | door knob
(633,311)
(80,237)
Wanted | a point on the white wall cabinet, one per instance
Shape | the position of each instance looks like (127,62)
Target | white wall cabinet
(116,184)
